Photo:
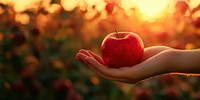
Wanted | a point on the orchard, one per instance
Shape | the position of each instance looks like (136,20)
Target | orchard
(39,40)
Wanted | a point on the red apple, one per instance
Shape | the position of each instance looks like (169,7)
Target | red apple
(122,49)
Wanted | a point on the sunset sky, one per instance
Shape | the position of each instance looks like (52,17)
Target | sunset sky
(146,8)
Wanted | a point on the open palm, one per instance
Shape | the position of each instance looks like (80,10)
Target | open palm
(154,63)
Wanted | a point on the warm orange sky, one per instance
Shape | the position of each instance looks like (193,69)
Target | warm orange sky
(23,4)
(147,8)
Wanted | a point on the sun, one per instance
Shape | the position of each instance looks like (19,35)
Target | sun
(151,9)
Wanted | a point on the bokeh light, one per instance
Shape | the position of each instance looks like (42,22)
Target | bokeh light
(21,5)
(39,40)
(69,5)
(22,18)
(194,3)
(53,8)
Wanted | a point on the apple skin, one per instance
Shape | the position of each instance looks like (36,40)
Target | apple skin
(122,49)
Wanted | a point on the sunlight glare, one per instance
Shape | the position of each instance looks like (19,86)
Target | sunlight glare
(128,4)
(194,3)
(100,5)
(6,1)
(90,2)
(151,9)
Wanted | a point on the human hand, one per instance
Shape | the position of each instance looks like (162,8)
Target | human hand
(155,62)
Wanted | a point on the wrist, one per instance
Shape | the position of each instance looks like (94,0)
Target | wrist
(163,63)
(186,61)
(170,62)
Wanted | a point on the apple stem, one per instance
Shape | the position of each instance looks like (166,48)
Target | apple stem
(117,33)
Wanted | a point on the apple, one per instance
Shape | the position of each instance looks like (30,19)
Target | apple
(122,49)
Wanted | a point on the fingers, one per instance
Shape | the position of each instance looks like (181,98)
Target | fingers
(88,59)
(82,57)
(91,54)
(105,72)
(85,52)
(101,70)
(94,62)
(153,59)
(99,59)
